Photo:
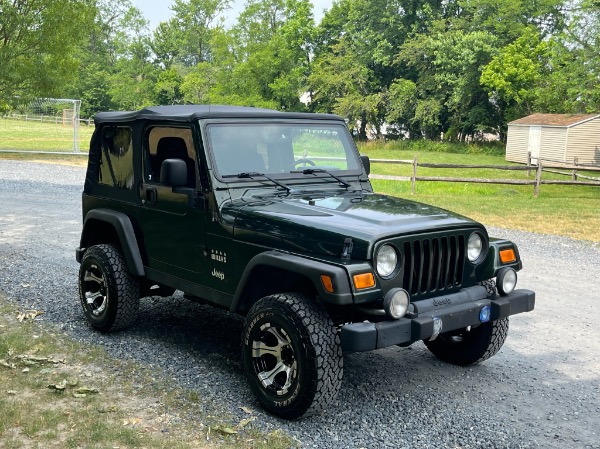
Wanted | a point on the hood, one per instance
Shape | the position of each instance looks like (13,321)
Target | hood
(319,224)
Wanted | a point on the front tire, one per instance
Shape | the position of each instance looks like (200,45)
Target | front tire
(292,355)
(109,294)
(465,347)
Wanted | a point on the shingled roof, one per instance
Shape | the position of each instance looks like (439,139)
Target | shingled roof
(562,120)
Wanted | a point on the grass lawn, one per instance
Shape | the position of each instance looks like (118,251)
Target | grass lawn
(37,136)
(56,393)
(572,211)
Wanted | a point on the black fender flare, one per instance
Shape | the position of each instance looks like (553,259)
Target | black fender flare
(310,268)
(124,229)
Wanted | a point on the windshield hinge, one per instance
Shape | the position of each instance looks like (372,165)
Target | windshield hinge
(347,251)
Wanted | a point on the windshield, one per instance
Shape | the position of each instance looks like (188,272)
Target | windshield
(280,148)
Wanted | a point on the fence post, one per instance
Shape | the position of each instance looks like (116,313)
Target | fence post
(413,179)
(529,162)
(538,179)
(574,175)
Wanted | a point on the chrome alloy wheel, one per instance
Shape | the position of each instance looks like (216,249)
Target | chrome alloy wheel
(96,290)
(274,359)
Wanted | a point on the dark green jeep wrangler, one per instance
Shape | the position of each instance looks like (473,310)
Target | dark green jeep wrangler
(271,215)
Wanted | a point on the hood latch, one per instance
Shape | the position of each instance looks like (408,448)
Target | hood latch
(347,251)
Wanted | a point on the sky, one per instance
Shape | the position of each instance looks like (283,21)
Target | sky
(158,11)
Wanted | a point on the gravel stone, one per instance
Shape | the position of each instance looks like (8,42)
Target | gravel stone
(540,391)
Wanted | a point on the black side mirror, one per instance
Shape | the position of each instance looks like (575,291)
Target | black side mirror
(366,163)
(173,173)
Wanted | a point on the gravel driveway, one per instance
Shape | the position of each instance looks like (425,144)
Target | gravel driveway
(542,389)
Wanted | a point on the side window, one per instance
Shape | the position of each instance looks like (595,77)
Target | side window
(116,158)
(170,143)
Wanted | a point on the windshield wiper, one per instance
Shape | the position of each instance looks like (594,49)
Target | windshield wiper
(312,171)
(251,175)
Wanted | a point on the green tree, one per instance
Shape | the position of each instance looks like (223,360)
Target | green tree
(446,66)
(184,53)
(37,45)
(168,89)
(263,61)
(514,75)
(117,58)
(574,69)
(199,82)
(402,105)
(187,36)
(569,84)
(459,58)
(508,19)
(447,51)
(165,44)
(93,89)
(134,77)
(428,113)
(360,38)
(342,85)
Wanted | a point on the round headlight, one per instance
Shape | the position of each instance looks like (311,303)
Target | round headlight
(386,260)
(506,281)
(396,303)
(474,247)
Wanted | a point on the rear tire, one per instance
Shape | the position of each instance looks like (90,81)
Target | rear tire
(464,347)
(109,294)
(292,355)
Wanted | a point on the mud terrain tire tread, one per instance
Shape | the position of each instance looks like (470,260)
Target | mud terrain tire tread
(311,328)
(123,289)
(481,343)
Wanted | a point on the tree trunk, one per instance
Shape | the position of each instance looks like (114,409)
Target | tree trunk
(362,132)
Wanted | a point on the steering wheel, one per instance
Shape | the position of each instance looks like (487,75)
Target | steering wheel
(304,161)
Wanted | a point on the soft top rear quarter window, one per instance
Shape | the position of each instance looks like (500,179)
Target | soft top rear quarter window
(116,157)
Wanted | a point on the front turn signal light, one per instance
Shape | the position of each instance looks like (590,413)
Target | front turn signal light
(364,280)
(327,283)
(508,255)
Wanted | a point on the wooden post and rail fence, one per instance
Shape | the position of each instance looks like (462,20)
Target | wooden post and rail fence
(538,168)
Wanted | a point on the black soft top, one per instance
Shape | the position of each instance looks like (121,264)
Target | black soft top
(189,113)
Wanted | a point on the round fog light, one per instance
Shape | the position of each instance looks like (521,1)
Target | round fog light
(506,281)
(485,313)
(396,303)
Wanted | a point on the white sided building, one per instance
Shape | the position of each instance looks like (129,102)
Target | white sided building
(555,138)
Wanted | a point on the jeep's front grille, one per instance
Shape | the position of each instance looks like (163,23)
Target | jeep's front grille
(433,264)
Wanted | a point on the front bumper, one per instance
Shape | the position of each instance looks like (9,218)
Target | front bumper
(456,311)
